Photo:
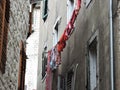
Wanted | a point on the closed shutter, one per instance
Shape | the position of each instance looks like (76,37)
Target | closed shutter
(22,68)
(4,17)
(1,28)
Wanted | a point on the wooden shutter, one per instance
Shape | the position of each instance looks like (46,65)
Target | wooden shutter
(22,68)
(5,34)
(1,28)
(4,18)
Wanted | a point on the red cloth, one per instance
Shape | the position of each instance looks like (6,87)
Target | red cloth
(61,45)
(69,28)
(49,73)
(58,60)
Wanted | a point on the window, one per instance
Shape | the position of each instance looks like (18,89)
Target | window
(55,31)
(44,62)
(88,2)
(45,10)
(70,8)
(93,66)
(70,80)
(4,21)
(62,83)
(55,38)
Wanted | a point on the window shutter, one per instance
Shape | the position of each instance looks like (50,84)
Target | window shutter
(45,9)
(22,68)
(4,17)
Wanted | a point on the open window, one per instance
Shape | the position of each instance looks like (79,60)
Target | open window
(93,63)
(70,80)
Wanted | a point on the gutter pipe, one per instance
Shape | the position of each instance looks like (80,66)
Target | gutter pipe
(111,48)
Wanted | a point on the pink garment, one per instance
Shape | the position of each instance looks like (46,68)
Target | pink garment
(49,73)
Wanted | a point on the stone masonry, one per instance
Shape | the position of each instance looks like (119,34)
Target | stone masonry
(117,45)
(18,29)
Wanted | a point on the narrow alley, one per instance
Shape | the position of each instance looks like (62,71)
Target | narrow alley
(60,45)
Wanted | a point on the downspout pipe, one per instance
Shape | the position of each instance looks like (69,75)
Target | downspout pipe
(111,48)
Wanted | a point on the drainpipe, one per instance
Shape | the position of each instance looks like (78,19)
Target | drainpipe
(111,48)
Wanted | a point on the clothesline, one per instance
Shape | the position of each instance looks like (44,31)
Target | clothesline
(54,55)
(58,48)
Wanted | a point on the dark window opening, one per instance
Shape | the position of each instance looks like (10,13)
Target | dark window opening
(61,81)
(92,50)
(69,80)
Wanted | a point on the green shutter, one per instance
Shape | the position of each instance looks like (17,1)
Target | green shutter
(45,9)
(34,1)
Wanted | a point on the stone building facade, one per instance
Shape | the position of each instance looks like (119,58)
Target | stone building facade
(48,37)
(86,61)
(14,15)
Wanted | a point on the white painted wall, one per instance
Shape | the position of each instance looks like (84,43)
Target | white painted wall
(32,53)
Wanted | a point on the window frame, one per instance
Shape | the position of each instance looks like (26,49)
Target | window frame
(56,30)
